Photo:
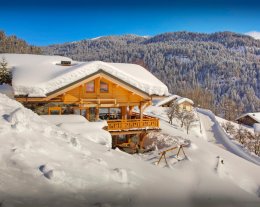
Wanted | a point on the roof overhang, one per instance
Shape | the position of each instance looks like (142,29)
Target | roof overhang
(249,115)
(99,73)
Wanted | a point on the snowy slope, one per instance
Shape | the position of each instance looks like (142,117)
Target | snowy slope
(44,165)
(7,90)
(215,133)
(81,127)
(38,75)
(166,100)
(213,141)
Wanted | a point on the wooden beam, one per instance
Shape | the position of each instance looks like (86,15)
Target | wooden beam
(130,110)
(30,99)
(97,85)
(124,112)
(108,105)
(97,113)
(142,138)
(133,131)
(88,114)
(141,110)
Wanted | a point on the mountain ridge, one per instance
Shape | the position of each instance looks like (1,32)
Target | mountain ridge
(225,64)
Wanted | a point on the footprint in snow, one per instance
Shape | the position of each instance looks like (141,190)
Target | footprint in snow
(220,168)
(101,161)
(120,175)
(47,173)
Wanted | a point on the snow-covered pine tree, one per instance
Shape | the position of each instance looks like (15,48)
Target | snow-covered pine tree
(5,74)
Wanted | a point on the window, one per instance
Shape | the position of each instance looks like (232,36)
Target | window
(90,86)
(103,87)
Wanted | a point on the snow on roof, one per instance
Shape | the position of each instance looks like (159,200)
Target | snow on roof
(255,116)
(176,98)
(182,99)
(167,100)
(38,75)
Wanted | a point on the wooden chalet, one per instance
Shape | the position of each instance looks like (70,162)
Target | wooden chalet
(183,103)
(101,95)
(249,119)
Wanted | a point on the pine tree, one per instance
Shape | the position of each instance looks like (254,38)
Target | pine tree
(5,75)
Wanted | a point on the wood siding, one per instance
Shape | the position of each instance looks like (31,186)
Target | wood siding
(186,106)
(115,92)
(247,120)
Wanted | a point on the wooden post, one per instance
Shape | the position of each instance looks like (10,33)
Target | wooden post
(108,113)
(97,113)
(124,112)
(142,138)
(82,90)
(87,114)
(130,111)
(163,155)
(180,148)
(141,111)
(97,89)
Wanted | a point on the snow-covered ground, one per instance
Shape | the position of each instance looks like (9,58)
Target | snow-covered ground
(81,127)
(215,133)
(7,90)
(45,164)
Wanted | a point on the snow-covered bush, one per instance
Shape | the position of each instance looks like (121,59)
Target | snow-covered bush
(172,111)
(187,118)
(248,139)
(5,74)
(228,127)
(157,140)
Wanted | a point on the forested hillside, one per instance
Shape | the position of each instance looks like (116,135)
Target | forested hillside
(12,44)
(219,70)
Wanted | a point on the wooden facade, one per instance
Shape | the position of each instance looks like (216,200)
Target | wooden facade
(246,120)
(99,92)
(186,106)
(182,106)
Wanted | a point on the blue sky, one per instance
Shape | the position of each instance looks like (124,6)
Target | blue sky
(43,22)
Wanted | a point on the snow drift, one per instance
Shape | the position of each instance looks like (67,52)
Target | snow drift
(45,165)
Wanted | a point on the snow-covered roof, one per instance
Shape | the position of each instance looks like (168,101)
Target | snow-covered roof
(39,75)
(255,116)
(167,100)
(178,99)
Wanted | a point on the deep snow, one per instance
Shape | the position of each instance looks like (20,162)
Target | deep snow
(215,133)
(38,75)
(46,165)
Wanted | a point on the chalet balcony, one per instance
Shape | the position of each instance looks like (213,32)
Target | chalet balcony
(146,123)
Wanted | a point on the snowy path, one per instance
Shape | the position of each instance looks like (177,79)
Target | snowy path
(214,133)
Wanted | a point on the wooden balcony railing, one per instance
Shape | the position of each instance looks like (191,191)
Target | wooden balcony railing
(133,124)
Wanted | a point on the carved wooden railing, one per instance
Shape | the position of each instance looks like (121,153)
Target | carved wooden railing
(133,124)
